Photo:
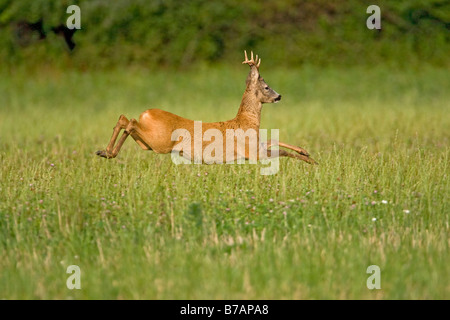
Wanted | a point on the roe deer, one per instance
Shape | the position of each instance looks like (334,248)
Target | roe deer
(155,127)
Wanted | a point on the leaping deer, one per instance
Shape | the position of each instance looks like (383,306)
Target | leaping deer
(154,129)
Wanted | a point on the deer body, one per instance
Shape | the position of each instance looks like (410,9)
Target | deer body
(155,128)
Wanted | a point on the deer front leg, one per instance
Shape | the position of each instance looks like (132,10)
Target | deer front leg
(288,146)
(284,153)
(122,123)
(302,153)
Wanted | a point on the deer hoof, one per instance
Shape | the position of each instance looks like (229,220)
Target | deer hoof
(312,161)
(103,153)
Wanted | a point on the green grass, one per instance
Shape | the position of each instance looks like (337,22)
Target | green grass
(141,227)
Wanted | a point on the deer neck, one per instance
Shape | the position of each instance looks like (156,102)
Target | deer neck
(249,114)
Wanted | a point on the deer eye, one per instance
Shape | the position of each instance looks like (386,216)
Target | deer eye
(266,88)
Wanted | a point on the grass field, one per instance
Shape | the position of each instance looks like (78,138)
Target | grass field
(140,227)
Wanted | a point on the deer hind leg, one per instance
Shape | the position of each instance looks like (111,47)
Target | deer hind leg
(138,136)
(132,128)
(136,133)
(122,123)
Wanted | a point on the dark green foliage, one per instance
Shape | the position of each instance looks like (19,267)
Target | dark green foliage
(194,215)
(180,33)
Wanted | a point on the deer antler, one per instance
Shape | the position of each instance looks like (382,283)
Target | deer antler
(251,62)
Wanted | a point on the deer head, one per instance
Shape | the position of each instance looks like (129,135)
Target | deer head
(256,84)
